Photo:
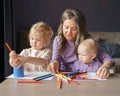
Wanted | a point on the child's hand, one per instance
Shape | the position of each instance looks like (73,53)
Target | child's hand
(12,56)
(15,59)
(19,61)
(53,67)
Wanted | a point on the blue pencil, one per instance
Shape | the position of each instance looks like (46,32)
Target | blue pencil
(71,74)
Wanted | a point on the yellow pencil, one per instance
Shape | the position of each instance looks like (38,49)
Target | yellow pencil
(63,76)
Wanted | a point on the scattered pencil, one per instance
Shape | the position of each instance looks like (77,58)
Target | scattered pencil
(43,77)
(74,82)
(59,83)
(29,81)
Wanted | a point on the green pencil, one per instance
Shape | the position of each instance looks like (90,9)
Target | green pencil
(41,76)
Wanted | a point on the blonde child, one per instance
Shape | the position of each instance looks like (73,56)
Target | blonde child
(87,52)
(37,57)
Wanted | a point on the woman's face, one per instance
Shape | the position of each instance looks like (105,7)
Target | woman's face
(70,29)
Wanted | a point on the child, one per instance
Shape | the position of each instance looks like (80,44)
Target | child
(87,52)
(37,57)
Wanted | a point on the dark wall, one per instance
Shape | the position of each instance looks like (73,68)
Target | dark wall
(1,40)
(101,15)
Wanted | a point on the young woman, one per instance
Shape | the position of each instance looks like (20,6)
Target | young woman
(71,32)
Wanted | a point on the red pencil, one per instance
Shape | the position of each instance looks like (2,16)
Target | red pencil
(74,82)
(8,47)
(29,81)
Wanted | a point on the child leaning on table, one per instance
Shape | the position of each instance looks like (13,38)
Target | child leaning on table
(37,57)
(87,52)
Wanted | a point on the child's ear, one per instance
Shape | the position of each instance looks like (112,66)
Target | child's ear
(93,55)
(47,42)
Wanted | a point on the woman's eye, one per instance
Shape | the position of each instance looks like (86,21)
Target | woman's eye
(66,27)
(74,29)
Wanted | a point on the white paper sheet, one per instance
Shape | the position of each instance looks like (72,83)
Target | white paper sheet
(31,75)
(89,76)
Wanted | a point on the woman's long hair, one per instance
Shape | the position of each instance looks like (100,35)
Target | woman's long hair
(79,18)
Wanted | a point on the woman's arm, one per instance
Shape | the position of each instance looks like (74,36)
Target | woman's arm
(103,71)
(54,64)
(55,49)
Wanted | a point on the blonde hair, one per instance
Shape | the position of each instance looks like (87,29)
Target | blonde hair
(41,29)
(90,45)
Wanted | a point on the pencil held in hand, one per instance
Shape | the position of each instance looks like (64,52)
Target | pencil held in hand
(8,47)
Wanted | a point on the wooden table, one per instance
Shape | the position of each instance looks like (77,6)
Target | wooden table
(110,87)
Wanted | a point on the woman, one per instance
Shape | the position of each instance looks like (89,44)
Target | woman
(71,32)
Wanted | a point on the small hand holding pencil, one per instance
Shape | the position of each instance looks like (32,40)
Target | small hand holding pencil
(17,71)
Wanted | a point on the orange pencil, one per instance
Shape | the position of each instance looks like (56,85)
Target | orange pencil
(8,47)
(59,83)
(29,81)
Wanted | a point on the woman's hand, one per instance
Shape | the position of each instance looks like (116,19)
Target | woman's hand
(53,67)
(103,72)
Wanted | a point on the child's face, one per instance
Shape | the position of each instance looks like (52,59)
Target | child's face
(84,55)
(36,42)
(70,29)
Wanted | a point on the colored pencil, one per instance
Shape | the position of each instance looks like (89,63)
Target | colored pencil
(72,73)
(63,76)
(8,47)
(59,83)
(29,81)
(62,79)
(74,82)
(43,77)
